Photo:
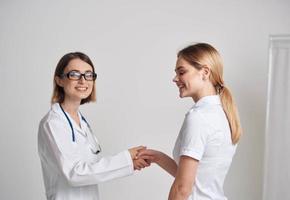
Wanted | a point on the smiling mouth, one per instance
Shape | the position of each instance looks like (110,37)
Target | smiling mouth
(82,89)
(181,87)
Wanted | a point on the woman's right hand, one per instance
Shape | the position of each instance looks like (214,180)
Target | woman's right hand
(139,163)
(161,159)
(134,151)
(150,155)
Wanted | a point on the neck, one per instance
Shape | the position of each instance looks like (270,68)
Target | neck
(71,107)
(208,90)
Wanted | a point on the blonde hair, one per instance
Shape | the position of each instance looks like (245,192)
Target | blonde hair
(201,54)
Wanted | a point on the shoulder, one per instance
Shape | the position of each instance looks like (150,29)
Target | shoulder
(195,125)
(51,118)
(211,115)
(54,127)
(195,117)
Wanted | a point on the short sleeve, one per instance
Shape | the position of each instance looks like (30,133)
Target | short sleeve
(194,134)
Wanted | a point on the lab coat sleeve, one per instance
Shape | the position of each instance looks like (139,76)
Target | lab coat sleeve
(77,170)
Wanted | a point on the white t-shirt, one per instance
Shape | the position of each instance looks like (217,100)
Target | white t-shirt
(205,136)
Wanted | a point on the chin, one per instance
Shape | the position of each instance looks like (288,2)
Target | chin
(83,96)
(181,95)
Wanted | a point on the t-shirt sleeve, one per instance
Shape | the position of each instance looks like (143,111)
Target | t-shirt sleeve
(194,136)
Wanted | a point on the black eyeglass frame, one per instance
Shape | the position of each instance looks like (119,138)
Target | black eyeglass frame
(81,75)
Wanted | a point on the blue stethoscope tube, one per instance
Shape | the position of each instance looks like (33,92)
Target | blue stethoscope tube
(70,124)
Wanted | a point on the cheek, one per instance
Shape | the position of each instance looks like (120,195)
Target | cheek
(195,81)
(68,86)
(187,79)
(184,78)
(91,85)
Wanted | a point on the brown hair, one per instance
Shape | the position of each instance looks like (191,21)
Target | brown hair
(201,54)
(58,92)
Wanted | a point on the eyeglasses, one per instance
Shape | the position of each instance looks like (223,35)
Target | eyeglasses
(76,75)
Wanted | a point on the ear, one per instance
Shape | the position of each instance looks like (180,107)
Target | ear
(205,72)
(58,81)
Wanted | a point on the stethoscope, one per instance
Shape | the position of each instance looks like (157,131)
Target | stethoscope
(72,129)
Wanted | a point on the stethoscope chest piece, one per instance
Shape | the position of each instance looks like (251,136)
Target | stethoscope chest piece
(96,148)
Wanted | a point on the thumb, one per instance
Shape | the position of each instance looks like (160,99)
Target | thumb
(140,148)
(142,152)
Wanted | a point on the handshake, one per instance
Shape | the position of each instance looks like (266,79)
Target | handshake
(143,157)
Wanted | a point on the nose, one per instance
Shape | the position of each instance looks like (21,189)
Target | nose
(175,79)
(82,79)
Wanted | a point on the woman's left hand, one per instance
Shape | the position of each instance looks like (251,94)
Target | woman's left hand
(140,163)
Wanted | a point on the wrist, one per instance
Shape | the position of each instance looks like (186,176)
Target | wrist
(158,157)
(133,153)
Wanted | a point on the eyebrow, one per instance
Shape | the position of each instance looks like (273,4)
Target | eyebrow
(178,68)
(80,71)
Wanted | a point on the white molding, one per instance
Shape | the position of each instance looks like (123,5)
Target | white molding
(273,39)
(280,37)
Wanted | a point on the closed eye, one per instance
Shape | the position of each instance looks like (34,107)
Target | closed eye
(180,73)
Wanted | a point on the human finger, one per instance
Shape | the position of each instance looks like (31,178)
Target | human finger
(146,157)
(145,152)
(143,163)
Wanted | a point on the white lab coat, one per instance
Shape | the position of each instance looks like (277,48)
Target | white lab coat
(72,170)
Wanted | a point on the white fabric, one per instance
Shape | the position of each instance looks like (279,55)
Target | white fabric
(205,136)
(277,146)
(72,170)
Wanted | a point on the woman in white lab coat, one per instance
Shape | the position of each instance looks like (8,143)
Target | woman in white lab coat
(70,153)
(210,132)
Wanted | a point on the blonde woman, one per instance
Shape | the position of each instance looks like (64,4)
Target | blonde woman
(210,132)
(71,156)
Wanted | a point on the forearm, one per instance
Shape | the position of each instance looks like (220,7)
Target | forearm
(84,173)
(167,163)
(184,179)
(179,192)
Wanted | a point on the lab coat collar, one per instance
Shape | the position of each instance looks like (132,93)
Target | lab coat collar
(56,107)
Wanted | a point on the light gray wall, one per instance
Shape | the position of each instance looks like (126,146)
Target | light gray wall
(133,45)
